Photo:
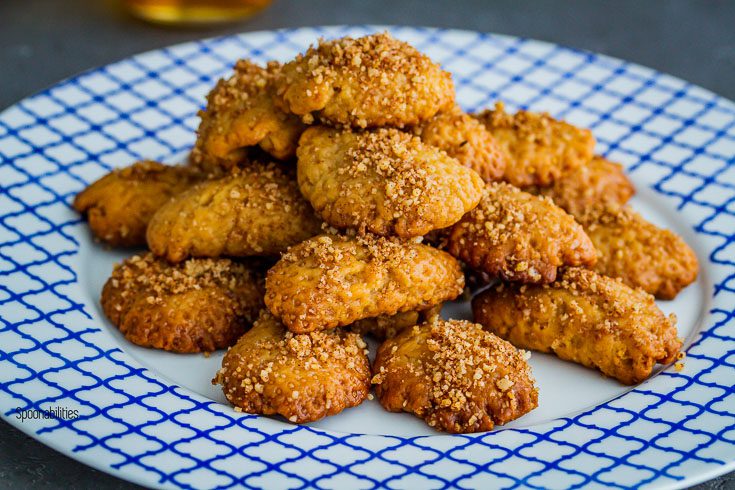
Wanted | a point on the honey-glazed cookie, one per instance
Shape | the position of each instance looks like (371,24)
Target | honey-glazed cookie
(640,253)
(383,181)
(456,376)
(517,236)
(586,318)
(303,377)
(119,205)
(199,305)
(256,210)
(370,81)
(332,280)
(240,113)
(541,149)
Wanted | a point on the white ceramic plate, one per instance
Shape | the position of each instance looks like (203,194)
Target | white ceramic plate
(154,418)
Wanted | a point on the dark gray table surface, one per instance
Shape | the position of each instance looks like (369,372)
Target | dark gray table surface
(43,41)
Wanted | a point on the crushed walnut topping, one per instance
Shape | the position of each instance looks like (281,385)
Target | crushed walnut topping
(272,370)
(372,64)
(460,366)
(155,278)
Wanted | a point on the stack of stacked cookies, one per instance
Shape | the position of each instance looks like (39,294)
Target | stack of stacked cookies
(345,194)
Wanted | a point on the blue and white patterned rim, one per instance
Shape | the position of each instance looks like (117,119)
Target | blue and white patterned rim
(674,430)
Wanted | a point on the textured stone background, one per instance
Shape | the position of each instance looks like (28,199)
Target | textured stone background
(43,41)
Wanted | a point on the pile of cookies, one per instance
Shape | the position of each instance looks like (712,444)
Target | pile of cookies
(345,194)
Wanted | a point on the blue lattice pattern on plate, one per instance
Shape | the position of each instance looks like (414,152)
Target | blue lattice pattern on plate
(675,137)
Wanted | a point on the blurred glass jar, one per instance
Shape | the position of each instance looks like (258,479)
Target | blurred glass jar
(194,11)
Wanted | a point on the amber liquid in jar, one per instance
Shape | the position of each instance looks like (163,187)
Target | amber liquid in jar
(194,11)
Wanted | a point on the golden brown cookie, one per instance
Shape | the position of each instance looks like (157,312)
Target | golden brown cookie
(383,181)
(517,236)
(332,280)
(254,210)
(303,377)
(371,81)
(541,149)
(454,375)
(599,183)
(583,317)
(199,305)
(119,205)
(240,113)
(463,137)
(640,253)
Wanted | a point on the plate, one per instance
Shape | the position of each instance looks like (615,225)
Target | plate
(155,419)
